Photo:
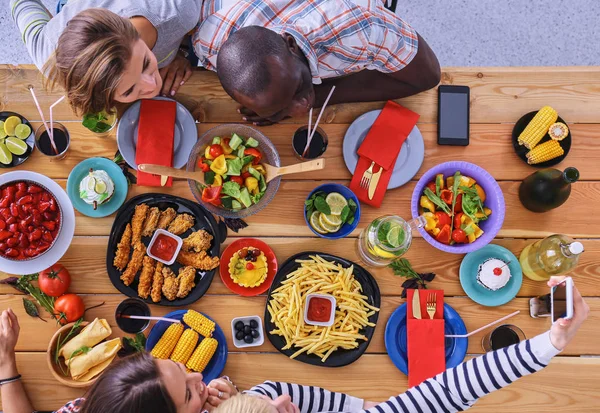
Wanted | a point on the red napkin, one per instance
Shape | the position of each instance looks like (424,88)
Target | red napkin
(156,131)
(425,347)
(382,145)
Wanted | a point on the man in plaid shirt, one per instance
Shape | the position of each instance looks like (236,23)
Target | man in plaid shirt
(279,58)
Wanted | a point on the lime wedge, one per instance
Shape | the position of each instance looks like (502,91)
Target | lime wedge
(10,124)
(2,133)
(5,155)
(100,187)
(315,224)
(15,145)
(22,131)
(91,184)
(334,220)
(328,227)
(336,202)
(395,236)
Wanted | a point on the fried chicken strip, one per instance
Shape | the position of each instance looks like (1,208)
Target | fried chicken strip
(139,216)
(186,281)
(171,284)
(145,281)
(166,217)
(123,249)
(139,251)
(157,283)
(150,222)
(199,260)
(180,224)
(197,241)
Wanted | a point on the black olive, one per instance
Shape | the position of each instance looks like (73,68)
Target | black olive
(248,339)
(255,333)
(247,329)
(253,323)
(239,335)
(239,326)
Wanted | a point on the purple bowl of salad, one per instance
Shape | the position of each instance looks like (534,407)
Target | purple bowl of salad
(462,204)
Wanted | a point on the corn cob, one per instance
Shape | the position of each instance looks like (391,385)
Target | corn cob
(168,341)
(558,131)
(538,127)
(199,323)
(202,355)
(544,152)
(185,346)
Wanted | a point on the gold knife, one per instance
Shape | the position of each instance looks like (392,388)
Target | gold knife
(374,182)
(416,303)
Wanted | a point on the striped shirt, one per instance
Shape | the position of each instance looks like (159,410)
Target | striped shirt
(338,37)
(454,390)
(40,31)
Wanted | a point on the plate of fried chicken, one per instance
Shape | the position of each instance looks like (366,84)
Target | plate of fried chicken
(134,273)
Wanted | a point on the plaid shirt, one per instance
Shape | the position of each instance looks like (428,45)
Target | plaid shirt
(338,37)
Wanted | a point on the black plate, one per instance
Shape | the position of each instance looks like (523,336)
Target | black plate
(30,141)
(338,358)
(521,150)
(203,220)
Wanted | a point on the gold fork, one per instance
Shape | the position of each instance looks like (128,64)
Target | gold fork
(431,304)
(366,178)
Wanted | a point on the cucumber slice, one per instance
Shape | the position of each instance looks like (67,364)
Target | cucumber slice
(245,197)
(216,140)
(235,141)
(251,142)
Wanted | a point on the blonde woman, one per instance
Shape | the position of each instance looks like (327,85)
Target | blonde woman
(107,51)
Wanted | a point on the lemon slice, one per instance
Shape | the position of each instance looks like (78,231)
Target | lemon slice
(5,155)
(336,202)
(100,187)
(393,236)
(2,133)
(22,131)
(314,222)
(10,124)
(328,227)
(15,145)
(381,253)
(332,219)
(91,184)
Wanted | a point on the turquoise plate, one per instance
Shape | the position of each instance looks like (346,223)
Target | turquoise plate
(114,171)
(478,293)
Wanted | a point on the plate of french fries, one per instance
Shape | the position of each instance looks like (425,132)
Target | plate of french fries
(357,309)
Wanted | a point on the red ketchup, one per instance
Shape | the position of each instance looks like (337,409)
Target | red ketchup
(319,309)
(164,247)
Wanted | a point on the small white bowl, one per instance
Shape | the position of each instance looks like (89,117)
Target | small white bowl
(168,234)
(246,320)
(331,316)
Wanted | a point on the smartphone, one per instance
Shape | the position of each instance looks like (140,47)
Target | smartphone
(561,300)
(453,115)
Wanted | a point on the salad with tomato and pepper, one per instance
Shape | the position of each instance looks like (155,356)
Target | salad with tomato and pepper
(233,174)
(453,208)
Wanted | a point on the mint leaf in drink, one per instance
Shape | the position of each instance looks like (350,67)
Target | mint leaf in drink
(322,206)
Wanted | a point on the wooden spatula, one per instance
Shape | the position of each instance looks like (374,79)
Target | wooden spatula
(172,172)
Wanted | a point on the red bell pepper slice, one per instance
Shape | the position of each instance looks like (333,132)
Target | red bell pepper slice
(212,194)
(253,152)
(444,235)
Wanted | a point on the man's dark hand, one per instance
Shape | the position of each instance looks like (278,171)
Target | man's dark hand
(175,75)
(250,116)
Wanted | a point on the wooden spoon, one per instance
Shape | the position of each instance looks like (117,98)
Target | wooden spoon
(198,176)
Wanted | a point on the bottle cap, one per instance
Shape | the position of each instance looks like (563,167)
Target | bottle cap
(576,248)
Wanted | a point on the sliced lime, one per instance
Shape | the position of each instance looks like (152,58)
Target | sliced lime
(334,220)
(5,155)
(395,236)
(16,145)
(10,124)
(22,131)
(336,202)
(326,226)
(91,184)
(100,187)
(2,132)
(314,222)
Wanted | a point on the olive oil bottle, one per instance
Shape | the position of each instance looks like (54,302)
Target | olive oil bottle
(555,255)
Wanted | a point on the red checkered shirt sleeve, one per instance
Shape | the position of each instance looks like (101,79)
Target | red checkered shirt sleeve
(72,407)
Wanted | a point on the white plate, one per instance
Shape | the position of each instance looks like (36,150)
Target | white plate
(65,235)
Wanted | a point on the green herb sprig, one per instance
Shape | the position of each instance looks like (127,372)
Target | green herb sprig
(437,200)
(414,280)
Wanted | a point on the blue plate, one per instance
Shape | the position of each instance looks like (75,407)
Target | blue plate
(347,193)
(395,338)
(216,365)
(116,174)
(478,293)
(409,160)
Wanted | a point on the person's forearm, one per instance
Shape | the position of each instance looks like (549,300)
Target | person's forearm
(14,398)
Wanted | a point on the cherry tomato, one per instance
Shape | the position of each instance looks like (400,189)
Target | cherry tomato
(446,196)
(54,281)
(238,180)
(444,235)
(68,308)
(253,152)
(458,204)
(457,219)
(216,150)
(431,186)
(443,219)
(458,235)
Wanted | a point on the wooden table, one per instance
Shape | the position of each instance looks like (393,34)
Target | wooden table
(499,96)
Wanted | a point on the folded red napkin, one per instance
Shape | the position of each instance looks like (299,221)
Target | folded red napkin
(425,347)
(382,145)
(156,131)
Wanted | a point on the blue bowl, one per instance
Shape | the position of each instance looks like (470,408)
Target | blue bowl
(346,229)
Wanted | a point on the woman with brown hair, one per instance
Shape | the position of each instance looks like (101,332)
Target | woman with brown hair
(107,51)
(140,384)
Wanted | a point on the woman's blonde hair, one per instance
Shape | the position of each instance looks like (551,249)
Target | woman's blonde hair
(243,403)
(91,55)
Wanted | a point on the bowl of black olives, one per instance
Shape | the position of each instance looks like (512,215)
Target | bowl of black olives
(247,331)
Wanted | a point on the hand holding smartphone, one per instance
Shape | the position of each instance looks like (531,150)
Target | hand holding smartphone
(561,300)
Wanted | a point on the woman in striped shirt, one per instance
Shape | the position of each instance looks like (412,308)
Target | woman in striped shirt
(140,384)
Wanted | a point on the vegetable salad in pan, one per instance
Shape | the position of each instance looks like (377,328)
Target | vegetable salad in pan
(453,207)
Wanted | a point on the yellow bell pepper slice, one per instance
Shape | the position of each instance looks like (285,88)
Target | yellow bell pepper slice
(218,181)
(219,166)
(226,148)
(427,204)
(252,184)
(260,169)
(230,156)
(207,153)
(431,220)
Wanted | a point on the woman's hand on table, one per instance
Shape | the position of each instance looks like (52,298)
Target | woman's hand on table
(9,333)
(175,75)
(563,331)
(219,387)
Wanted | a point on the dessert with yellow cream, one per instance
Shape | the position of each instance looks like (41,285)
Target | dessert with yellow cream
(248,267)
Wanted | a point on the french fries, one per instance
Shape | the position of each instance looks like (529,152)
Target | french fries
(318,275)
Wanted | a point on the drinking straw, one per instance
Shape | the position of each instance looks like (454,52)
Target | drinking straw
(141,317)
(52,123)
(37,104)
(309,139)
(484,327)
(309,123)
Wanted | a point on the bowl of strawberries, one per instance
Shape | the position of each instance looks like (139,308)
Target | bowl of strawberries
(37,222)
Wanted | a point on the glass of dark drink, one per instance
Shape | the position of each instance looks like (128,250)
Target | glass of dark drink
(62,141)
(132,306)
(317,147)
(503,336)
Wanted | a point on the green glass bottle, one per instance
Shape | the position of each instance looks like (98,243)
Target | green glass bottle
(547,189)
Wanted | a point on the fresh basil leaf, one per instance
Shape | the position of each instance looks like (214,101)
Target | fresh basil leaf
(436,200)
(350,220)
(321,205)
(232,189)
(209,177)
(345,213)
(352,204)
(309,203)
